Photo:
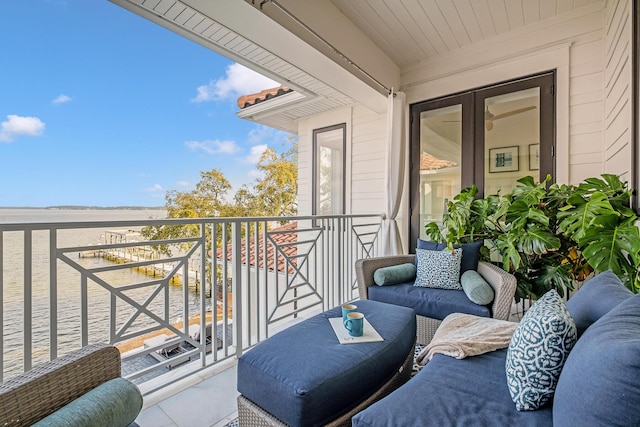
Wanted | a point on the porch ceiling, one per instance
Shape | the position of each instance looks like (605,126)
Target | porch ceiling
(334,53)
(412,31)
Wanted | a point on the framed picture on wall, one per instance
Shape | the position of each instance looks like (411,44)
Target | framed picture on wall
(503,159)
(534,157)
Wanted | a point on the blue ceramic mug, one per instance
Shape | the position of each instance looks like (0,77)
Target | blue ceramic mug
(355,324)
(346,309)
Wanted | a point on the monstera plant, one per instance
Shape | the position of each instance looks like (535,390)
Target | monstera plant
(550,236)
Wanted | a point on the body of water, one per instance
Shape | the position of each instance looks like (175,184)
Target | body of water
(69,285)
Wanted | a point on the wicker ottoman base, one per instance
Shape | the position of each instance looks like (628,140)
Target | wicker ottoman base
(252,415)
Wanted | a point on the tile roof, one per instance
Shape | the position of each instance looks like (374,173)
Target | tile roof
(256,98)
(283,237)
(429,162)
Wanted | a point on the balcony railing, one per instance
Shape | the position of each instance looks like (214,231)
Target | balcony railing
(243,278)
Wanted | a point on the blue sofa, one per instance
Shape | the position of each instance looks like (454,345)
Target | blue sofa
(599,384)
(433,305)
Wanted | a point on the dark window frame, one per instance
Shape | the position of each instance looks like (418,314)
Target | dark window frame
(635,107)
(472,125)
(314,179)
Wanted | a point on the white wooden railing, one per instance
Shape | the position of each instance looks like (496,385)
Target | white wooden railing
(57,295)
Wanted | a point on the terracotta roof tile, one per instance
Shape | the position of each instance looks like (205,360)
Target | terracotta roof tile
(253,99)
(429,162)
(281,236)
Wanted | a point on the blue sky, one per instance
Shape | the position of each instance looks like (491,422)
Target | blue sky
(99,106)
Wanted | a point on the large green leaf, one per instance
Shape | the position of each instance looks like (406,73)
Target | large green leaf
(511,259)
(528,191)
(555,275)
(613,245)
(576,218)
(538,240)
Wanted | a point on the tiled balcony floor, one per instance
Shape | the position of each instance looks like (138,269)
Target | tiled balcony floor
(205,399)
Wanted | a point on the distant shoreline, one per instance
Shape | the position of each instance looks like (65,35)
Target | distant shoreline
(73,207)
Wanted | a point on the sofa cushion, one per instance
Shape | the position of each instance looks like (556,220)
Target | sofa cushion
(537,351)
(476,288)
(438,269)
(595,298)
(470,252)
(428,302)
(114,403)
(395,274)
(600,383)
(452,392)
(290,376)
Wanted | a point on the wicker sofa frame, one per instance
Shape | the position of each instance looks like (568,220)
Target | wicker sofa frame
(503,284)
(29,397)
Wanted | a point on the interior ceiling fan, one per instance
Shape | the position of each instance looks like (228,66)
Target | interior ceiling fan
(489,117)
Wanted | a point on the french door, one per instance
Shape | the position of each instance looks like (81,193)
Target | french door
(490,137)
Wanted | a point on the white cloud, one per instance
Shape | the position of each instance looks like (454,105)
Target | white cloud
(213,147)
(157,188)
(17,125)
(61,99)
(239,80)
(183,184)
(256,152)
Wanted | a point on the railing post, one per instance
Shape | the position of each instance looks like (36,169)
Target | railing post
(28,302)
(236,285)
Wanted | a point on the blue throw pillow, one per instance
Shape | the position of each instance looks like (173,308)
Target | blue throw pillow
(395,274)
(438,269)
(476,288)
(470,252)
(595,298)
(600,382)
(538,350)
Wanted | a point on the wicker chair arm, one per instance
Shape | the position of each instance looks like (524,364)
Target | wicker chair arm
(504,286)
(366,267)
(46,388)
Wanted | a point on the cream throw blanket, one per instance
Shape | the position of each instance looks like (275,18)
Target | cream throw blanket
(461,335)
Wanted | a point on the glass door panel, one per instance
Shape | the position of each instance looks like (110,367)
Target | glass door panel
(440,159)
(511,139)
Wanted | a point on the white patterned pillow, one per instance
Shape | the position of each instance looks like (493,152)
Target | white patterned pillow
(537,352)
(438,269)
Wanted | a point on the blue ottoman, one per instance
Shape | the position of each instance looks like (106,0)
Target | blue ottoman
(303,376)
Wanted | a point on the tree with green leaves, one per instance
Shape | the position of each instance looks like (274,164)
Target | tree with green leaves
(273,194)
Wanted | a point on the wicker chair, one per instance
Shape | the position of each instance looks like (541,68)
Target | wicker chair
(46,388)
(503,284)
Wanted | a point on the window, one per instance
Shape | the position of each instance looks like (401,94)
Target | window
(490,137)
(329,146)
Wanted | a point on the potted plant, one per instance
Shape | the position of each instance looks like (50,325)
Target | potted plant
(550,236)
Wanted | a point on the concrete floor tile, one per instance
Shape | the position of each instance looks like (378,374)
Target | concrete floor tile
(154,417)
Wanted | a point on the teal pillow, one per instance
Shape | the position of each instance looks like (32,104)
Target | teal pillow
(476,288)
(395,274)
(538,350)
(114,403)
(438,269)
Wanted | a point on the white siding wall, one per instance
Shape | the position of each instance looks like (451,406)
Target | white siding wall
(368,161)
(366,158)
(305,153)
(617,88)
